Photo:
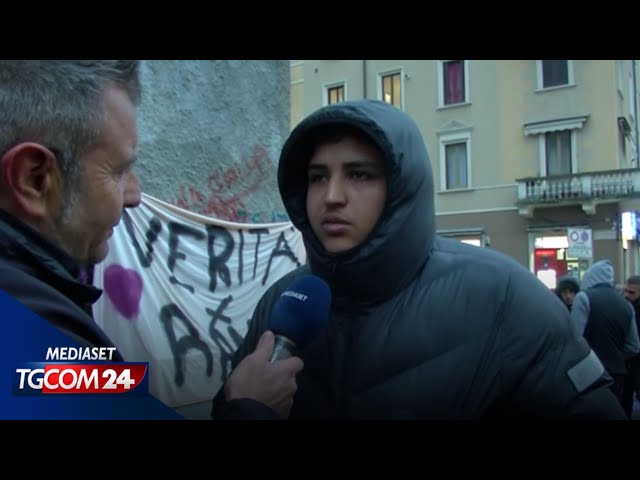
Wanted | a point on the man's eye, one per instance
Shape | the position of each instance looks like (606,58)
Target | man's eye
(315,177)
(361,175)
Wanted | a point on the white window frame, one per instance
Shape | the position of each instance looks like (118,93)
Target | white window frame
(440,82)
(570,78)
(543,152)
(328,86)
(471,235)
(448,139)
(540,128)
(393,71)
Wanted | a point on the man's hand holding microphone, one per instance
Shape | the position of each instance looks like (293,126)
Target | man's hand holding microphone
(271,383)
(268,375)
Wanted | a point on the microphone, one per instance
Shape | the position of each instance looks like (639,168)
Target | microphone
(299,315)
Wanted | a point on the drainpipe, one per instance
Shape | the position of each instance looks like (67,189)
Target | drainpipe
(635,111)
(364,79)
(632,245)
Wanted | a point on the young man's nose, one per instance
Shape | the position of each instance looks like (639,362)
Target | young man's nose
(335,190)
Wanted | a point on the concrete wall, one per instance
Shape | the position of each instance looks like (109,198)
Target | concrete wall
(296,69)
(210,132)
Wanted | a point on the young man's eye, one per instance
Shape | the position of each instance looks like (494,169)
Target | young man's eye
(361,175)
(315,177)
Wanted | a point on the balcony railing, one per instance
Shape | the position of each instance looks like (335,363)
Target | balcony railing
(585,188)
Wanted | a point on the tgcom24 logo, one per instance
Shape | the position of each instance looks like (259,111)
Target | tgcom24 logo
(80,370)
(47,375)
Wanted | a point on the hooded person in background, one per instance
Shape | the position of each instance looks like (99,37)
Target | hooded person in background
(607,322)
(631,291)
(566,289)
(420,327)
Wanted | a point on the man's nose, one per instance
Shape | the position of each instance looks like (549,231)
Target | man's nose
(335,190)
(132,192)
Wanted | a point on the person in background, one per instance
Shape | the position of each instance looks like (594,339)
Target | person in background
(607,322)
(566,289)
(420,327)
(632,384)
(68,140)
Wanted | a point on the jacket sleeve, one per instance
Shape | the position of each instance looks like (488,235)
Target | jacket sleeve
(241,409)
(631,345)
(580,310)
(547,370)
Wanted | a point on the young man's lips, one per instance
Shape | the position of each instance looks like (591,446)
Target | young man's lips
(335,227)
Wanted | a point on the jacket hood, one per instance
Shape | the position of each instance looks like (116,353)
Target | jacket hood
(399,245)
(599,272)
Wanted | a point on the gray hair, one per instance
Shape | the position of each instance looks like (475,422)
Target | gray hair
(58,103)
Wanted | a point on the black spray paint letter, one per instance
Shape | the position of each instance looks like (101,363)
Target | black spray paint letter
(175,230)
(152,235)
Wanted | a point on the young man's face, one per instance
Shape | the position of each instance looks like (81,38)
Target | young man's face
(632,292)
(347,189)
(107,185)
(567,296)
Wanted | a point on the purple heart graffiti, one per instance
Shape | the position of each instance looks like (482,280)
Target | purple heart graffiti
(124,289)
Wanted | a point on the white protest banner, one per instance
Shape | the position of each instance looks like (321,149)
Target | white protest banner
(180,288)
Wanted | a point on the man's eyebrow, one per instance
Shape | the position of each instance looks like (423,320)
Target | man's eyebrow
(364,163)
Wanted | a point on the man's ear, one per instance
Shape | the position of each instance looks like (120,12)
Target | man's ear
(32,180)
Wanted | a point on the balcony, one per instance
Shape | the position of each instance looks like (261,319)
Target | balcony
(585,189)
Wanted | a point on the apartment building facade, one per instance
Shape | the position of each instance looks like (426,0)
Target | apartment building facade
(535,158)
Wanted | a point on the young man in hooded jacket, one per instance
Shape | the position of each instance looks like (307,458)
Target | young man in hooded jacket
(420,327)
(566,289)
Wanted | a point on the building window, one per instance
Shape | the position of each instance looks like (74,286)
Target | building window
(392,89)
(554,73)
(471,235)
(455,161)
(456,165)
(624,132)
(334,93)
(558,152)
(453,82)
(558,144)
(622,149)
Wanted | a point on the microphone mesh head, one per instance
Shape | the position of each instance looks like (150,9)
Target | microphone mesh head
(302,310)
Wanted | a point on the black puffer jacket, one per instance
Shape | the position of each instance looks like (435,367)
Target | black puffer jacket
(45,279)
(424,327)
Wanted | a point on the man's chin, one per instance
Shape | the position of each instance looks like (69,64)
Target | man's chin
(337,245)
(97,256)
